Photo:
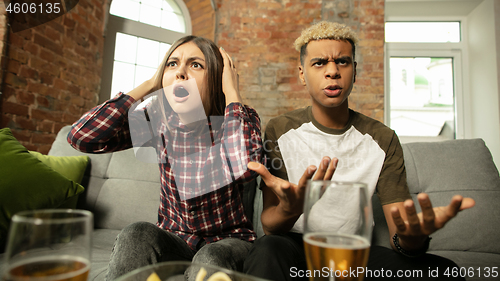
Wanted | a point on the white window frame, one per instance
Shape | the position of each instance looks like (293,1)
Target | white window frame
(117,24)
(457,51)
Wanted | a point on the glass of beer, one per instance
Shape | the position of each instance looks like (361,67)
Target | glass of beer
(338,223)
(49,245)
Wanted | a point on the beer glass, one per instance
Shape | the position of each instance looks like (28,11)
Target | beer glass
(338,223)
(49,245)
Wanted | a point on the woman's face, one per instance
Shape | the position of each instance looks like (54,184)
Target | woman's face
(184,79)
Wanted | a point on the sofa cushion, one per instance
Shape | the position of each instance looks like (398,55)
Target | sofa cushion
(119,188)
(26,183)
(465,167)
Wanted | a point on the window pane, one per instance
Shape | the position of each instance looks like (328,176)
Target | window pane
(163,51)
(172,21)
(422,32)
(170,5)
(147,54)
(161,13)
(422,96)
(128,9)
(142,74)
(123,78)
(136,60)
(153,3)
(150,15)
(125,48)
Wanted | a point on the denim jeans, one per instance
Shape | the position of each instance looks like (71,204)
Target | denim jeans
(142,243)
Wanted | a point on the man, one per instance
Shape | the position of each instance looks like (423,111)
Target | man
(358,148)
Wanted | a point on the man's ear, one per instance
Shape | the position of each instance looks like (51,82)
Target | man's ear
(355,64)
(301,75)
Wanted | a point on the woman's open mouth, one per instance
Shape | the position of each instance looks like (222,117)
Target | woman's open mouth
(180,94)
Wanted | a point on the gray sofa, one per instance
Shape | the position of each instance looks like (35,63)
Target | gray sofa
(121,190)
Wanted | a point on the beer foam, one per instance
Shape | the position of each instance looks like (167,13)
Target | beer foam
(337,241)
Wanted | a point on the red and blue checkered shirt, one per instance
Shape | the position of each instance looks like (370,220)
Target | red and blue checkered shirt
(211,215)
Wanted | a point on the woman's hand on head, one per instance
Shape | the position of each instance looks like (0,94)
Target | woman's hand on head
(230,79)
(146,87)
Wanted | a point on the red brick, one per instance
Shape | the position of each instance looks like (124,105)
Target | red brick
(57,25)
(69,23)
(39,114)
(41,65)
(22,136)
(18,55)
(43,138)
(16,40)
(15,81)
(6,121)
(46,126)
(25,123)
(78,101)
(28,72)
(13,66)
(81,21)
(47,55)
(24,97)
(58,126)
(53,34)
(8,91)
(43,101)
(46,78)
(70,118)
(44,148)
(47,43)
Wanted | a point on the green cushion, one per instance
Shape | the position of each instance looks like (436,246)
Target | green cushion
(26,183)
(72,167)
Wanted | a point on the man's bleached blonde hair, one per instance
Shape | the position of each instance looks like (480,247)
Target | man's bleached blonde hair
(325,30)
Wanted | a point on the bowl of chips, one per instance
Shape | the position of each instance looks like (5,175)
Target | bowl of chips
(185,271)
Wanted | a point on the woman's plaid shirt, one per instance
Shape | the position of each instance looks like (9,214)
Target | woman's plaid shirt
(202,177)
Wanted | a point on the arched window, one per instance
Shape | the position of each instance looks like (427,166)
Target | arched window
(138,34)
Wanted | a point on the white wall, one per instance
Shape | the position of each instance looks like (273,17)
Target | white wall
(483,81)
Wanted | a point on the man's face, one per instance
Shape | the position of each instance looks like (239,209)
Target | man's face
(328,72)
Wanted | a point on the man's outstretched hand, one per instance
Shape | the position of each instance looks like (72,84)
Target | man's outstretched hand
(291,196)
(420,225)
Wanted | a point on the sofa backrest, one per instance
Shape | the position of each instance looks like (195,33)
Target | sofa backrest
(119,188)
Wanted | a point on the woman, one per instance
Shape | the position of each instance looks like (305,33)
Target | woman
(202,160)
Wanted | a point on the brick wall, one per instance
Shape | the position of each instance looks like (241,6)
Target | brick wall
(260,34)
(202,17)
(52,74)
(3,47)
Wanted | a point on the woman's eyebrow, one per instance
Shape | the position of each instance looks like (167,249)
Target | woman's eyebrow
(195,58)
(189,59)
